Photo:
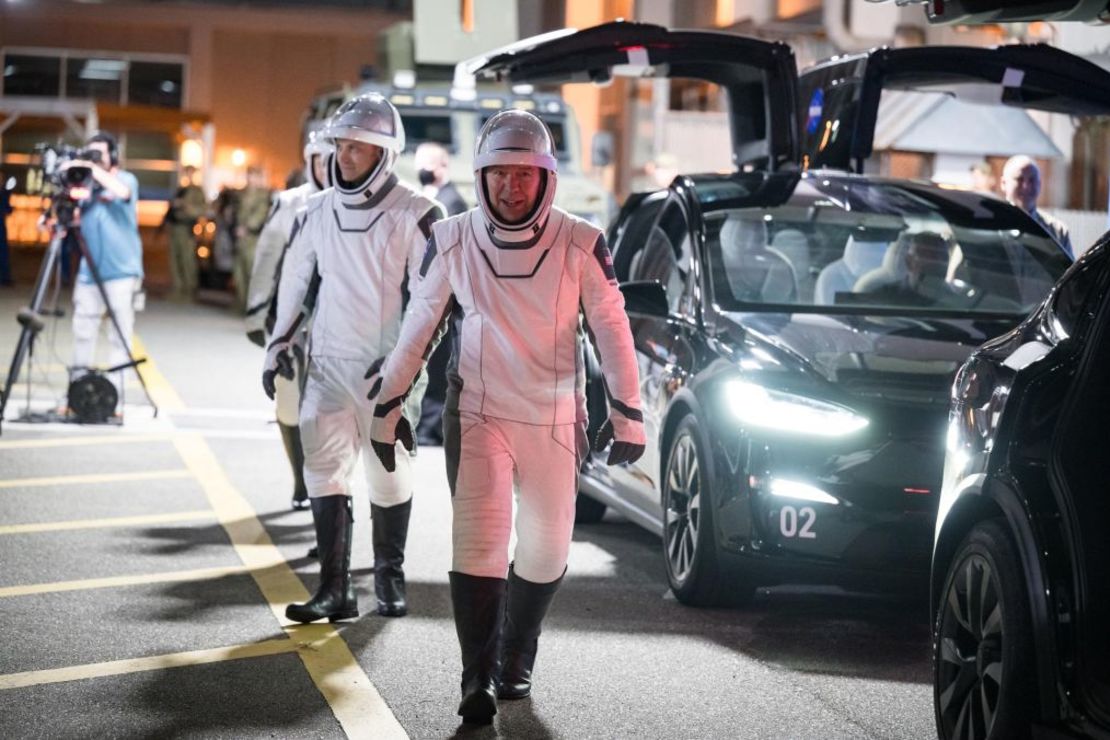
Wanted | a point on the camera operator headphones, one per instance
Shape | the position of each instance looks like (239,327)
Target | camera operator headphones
(113,145)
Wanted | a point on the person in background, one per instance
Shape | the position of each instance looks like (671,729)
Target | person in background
(983,179)
(5,209)
(432,169)
(1021,184)
(187,206)
(254,207)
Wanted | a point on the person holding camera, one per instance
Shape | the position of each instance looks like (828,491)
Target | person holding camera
(350,268)
(523,272)
(109,223)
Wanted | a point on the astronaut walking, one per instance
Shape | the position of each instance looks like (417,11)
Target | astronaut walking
(522,272)
(269,256)
(355,256)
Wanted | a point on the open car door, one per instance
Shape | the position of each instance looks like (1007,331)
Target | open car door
(839,99)
(759,76)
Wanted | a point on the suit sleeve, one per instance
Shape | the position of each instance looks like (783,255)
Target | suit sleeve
(424,324)
(267,258)
(603,306)
(297,271)
(421,237)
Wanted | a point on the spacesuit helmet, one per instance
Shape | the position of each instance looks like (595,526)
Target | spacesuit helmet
(516,137)
(318,146)
(371,119)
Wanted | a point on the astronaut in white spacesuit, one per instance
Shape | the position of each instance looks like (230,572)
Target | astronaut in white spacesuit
(522,272)
(269,257)
(355,257)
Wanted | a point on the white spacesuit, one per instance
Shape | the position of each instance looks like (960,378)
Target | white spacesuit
(515,406)
(356,252)
(269,256)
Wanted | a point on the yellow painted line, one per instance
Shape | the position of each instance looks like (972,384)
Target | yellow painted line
(163,394)
(119,521)
(90,478)
(354,700)
(200,574)
(151,663)
(81,440)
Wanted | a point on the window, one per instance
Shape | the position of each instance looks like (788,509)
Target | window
(155,83)
(95,77)
(420,128)
(32,75)
(879,246)
(667,258)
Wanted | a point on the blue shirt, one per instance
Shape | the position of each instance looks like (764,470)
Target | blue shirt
(110,227)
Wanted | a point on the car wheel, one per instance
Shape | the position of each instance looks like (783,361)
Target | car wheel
(984,681)
(690,550)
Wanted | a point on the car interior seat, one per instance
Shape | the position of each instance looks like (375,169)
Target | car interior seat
(794,246)
(840,276)
(755,272)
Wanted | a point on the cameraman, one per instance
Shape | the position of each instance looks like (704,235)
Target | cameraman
(110,229)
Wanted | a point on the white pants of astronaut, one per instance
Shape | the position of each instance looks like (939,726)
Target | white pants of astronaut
(495,455)
(335,418)
(88,312)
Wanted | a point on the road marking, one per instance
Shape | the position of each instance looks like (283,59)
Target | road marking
(160,390)
(90,478)
(119,521)
(354,700)
(83,440)
(199,574)
(152,663)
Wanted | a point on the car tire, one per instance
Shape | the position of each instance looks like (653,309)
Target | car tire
(984,682)
(691,555)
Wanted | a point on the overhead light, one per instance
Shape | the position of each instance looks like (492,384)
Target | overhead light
(102,69)
(168,86)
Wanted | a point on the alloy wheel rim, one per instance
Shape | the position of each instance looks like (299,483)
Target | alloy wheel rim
(969,664)
(683,508)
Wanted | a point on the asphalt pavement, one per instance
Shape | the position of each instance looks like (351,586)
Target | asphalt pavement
(145,567)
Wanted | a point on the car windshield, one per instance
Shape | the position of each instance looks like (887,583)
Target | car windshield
(853,244)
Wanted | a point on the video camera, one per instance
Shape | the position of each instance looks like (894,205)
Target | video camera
(67,185)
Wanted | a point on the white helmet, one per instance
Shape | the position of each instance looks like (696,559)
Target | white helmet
(521,138)
(371,119)
(318,146)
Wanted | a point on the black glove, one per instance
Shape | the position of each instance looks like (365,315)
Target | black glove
(283,366)
(387,452)
(621,452)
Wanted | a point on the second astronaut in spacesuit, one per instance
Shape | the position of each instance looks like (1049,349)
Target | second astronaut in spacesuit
(355,258)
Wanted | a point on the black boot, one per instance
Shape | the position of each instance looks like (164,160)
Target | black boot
(335,598)
(391,529)
(291,437)
(479,607)
(528,603)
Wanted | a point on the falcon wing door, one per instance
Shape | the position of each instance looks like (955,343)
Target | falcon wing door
(760,76)
(839,116)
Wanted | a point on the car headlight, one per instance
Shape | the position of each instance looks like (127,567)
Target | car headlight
(758,406)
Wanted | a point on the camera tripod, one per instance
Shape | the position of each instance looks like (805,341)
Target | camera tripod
(94,388)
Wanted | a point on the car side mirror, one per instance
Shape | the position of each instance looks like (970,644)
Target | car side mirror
(645,298)
(601,149)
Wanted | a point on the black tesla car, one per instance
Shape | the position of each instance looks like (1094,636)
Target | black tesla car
(1021,565)
(798,329)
